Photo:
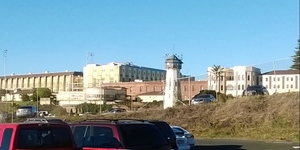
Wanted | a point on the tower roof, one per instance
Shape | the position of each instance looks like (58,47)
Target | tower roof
(174,59)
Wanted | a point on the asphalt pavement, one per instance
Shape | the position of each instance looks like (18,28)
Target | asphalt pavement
(236,144)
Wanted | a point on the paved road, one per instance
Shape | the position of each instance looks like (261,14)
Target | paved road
(234,144)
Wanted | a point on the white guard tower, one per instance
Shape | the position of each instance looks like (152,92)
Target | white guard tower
(172,85)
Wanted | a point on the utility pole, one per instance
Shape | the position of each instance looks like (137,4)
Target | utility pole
(189,90)
(4,71)
(100,109)
(37,102)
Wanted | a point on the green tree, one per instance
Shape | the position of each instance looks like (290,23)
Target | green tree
(217,71)
(296,58)
(41,93)
(25,97)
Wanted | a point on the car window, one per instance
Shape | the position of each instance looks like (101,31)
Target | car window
(80,133)
(179,129)
(5,143)
(45,137)
(165,129)
(135,135)
(99,137)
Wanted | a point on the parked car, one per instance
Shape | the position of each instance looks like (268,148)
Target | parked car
(187,134)
(44,120)
(167,131)
(181,140)
(26,111)
(255,90)
(203,98)
(36,136)
(116,110)
(106,134)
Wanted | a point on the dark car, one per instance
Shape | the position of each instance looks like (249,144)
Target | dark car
(255,90)
(105,134)
(167,131)
(203,98)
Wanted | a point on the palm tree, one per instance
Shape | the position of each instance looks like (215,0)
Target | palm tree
(217,71)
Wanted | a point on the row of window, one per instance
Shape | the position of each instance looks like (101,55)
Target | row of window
(230,78)
(291,86)
(242,87)
(154,88)
(278,79)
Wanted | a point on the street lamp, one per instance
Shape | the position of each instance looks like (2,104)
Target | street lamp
(37,102)
(4,71)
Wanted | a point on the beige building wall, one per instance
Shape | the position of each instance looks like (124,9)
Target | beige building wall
(95,74)
(61,81)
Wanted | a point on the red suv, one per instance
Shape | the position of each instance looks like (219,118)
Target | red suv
(118,134)
(36,136)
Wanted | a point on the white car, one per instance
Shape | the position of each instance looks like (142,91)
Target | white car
(181,140)
(187,134)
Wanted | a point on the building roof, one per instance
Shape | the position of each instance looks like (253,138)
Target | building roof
(76,73)
(151,93)
(174,59)
(282,72)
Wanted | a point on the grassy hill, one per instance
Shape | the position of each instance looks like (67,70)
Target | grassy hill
(274,117)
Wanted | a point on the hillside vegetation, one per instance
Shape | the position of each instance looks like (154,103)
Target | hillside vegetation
(274,117)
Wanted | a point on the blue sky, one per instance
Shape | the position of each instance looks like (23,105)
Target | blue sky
(56,35)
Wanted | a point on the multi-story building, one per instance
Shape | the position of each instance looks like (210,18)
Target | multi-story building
(59,81)
(119,72)
(281,81)
(234,80)
(188,88)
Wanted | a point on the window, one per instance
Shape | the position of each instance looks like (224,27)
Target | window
(45,137)
(287,78)
(141,135)
(278,86)
(100,137)
(221,87)
(79,133)
(141,89)
(278,79)
(291,85)
(291,79)
(6,138)
(248,77)
(193,88)
(243,87)
(274,79)
(287,86)
(239,87)
(274,86)
(185,88)
(266,86)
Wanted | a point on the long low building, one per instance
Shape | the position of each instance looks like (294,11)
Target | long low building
(58,81)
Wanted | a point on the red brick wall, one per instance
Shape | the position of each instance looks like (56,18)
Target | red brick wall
(188,89)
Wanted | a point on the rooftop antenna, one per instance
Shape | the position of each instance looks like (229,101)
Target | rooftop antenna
(173,47)
(89,59)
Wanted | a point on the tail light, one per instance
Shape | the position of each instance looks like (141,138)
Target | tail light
(192,136)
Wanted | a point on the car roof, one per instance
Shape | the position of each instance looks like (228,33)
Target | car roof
(110,121)
(15,125)
(44,120)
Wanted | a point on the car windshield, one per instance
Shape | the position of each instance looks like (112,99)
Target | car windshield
(204,96)
(26,107)
(253,87)
(44,137)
